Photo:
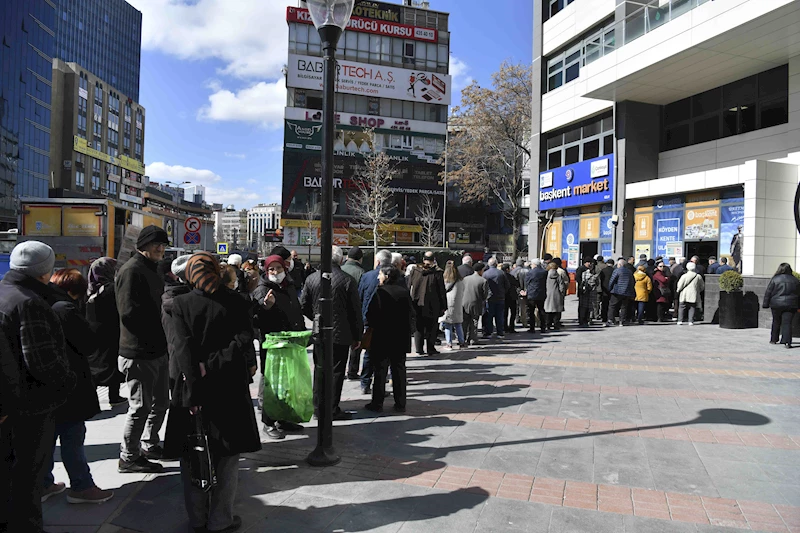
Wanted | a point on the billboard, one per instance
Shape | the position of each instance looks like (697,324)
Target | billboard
(582,183)
(381,124)
(365,24)
(305,72)
(302,179)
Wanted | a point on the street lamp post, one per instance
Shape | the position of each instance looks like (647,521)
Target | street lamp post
(330,17)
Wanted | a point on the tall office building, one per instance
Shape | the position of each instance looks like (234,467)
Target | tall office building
(195,193)
(667,128)
(393,78)
(26,57)
(104,37)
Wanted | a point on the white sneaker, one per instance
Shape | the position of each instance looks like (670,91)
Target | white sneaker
(691,323)
(680,323)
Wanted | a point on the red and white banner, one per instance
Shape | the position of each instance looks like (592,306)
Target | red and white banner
(366,25)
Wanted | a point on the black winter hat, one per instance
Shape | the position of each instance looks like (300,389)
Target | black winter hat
(355,253)
(151,234)
(281,251)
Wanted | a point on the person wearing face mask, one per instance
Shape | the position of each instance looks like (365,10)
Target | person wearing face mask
(294,269)
(278,310)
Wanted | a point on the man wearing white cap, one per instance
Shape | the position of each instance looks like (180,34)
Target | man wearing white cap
(35,379)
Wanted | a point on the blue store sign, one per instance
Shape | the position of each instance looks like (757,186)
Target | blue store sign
(584,183)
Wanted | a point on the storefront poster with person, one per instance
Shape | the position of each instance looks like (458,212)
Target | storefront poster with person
(731,240)
(570,228)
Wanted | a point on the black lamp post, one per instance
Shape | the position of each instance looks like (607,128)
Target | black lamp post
(330,17)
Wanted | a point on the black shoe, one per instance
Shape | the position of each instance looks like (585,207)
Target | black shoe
(641,322)
(420,353)
(342,415)
(374,407)
(366,391)
(788,346)
(399,408)
(235,526)
(156,453)
(274,433)
(434,352)
(288,426)
(773,342)
(353,377)
(139,466)
(113,402)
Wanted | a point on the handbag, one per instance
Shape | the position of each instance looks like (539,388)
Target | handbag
(201,468)
(366,340)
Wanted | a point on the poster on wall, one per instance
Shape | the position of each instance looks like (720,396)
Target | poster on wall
(643,227)
(572,257)
(702,222)
(553,240)
(605,250)
(569,237)
(642,249)
(674,249)
(606,227)
(731,240)
(590,228)
(668,232)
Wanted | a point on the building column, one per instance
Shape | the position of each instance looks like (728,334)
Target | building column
(534,243)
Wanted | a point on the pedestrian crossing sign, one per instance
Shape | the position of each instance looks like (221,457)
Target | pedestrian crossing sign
(222,248)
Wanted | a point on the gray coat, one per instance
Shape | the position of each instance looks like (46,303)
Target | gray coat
(476,292)
(455,303)
(556,288)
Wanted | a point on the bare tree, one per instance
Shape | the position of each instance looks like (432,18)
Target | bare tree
(427,217)
(313,211)
(372,201)
(489,144)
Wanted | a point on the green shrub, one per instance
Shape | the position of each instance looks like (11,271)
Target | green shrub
(731,281)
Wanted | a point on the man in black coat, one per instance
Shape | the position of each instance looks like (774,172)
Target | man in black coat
(465,268)
(536,293)
(143,353)
(430,300)
(348,327)
(35,379)
(605,295)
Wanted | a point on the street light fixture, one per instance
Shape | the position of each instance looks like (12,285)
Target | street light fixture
(330,17)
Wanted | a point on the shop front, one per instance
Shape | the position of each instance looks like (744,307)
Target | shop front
(577,201)
(705,224)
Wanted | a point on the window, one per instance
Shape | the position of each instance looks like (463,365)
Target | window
(564,67)
(80,179)
(112,188)
(579,142)
(742,106)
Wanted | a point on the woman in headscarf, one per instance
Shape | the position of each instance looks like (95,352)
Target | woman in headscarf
(101,312)
(212,335)
(278,310)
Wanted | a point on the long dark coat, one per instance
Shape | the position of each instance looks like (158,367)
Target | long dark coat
(391,317)
(82,403)
(101,312)
(215,329)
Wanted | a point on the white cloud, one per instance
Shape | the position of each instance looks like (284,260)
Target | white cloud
(240,197)
(249,36)
(459,71)
(251,181)
(235,156)
(262,103)
(159,171)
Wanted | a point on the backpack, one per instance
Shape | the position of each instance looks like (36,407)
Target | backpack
(590,281)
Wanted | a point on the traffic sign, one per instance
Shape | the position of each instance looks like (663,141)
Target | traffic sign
(192,224)
(222,248)
(191,237)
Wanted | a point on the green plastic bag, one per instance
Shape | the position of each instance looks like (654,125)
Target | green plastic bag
(288,388)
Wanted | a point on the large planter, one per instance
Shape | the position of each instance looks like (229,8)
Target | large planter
(731,310)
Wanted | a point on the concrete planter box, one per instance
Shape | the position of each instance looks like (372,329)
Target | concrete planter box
(753,294)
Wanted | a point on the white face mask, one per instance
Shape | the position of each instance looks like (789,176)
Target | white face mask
(277,278)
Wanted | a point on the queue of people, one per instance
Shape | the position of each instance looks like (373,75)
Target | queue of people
(184,336)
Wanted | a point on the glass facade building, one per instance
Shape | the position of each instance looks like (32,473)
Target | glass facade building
(104,37)
(27,30)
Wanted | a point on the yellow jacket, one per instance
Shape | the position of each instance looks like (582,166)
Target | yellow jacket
(643,286)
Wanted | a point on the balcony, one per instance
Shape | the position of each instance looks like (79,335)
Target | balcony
(686,47)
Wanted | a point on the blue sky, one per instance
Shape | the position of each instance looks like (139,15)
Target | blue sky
(211,84)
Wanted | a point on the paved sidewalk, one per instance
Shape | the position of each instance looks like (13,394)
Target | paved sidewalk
(655,428)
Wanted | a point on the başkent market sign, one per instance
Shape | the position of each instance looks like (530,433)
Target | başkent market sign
(371,25)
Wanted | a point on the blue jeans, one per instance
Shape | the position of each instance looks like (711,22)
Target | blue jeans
(448,332)
(495,311)
(640,314)
(366,371)
(72,435)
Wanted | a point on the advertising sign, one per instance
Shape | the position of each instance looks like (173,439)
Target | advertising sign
(590,228)
(583,183)
(42,220)
(379,123)
(642,249)
(730,241)
(643,227)
(572,257)
(81,221)
(668,232)
(370,25)
(553,241)
(702,221)
(605,250)
(570,228)
(79,144)
(606,228)
(377,10)
(302,171)
(305,72)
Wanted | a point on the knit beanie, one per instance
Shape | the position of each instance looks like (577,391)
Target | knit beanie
(32,258)
(179,266)
(274,259)
(151,234)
